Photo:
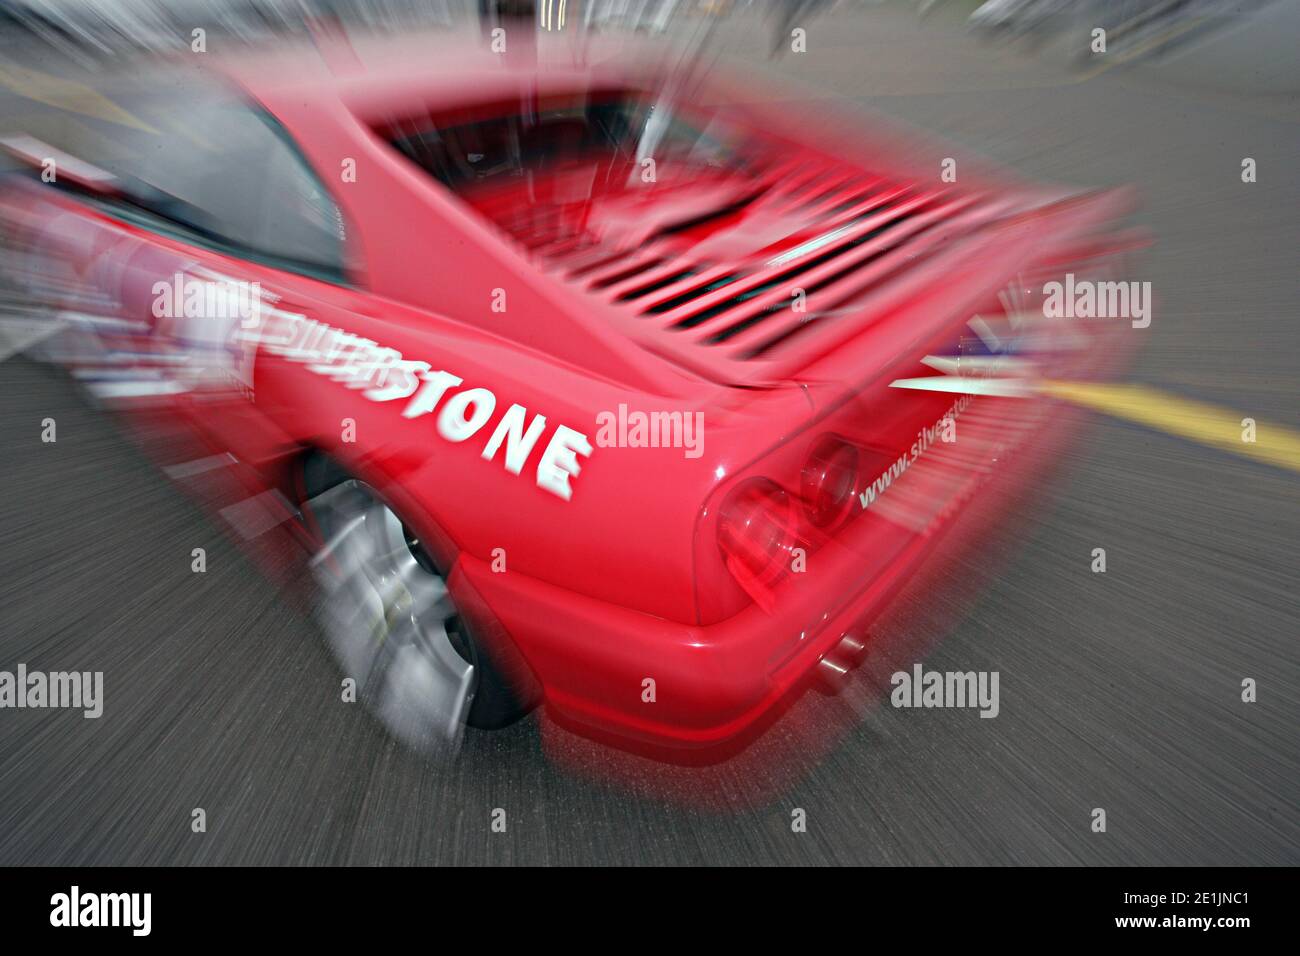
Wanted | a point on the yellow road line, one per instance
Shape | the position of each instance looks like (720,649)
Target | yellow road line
(1176,30)
(1207,424)
(66,95)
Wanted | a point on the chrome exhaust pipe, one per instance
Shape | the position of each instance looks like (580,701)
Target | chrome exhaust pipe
(833,669)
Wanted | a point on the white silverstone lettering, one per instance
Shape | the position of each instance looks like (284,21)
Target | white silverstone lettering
(519,443)
(558,462)
(384,375)
(371,373)
(356,367)
(340,355)
(303,346)
(397,379)
(453,425)
(435,386)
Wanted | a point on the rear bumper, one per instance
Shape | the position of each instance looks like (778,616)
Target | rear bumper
(713,684)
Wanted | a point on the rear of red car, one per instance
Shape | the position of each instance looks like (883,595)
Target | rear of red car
(878,347)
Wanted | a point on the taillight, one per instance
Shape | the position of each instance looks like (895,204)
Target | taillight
(757,532)
(829,482)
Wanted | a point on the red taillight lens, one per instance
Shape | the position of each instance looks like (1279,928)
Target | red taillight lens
(757,530)
(829,482)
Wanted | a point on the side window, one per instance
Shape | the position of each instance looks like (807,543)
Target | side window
(196,160)
(253,189)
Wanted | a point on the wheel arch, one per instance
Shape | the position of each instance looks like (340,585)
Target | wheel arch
(313,467)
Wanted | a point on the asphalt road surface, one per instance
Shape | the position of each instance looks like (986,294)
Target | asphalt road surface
(1119,691)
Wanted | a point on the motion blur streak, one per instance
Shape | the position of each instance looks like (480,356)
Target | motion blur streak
(1120,689)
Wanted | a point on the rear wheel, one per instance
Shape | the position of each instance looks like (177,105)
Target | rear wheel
(392,622)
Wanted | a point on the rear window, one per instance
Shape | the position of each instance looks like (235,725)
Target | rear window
(614,131)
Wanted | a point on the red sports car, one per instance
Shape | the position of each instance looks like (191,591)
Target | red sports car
(594,382)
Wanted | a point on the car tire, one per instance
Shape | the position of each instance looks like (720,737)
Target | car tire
(391,620)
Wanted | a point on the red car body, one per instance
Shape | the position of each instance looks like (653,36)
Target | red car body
(596,567)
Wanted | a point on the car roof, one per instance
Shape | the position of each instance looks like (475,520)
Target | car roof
(375,76)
